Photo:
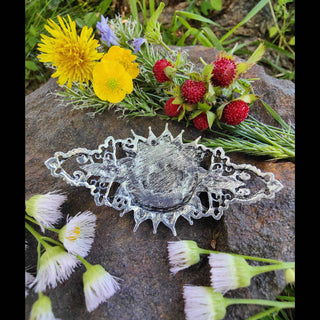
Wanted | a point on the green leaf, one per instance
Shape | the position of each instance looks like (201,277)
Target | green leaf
(243,67)
(152,33)
(210,117)
(210,94)
(204,106)
(31,65)
(257,54)
(194,114)
(205,6)
(292,41)
(104,5)
(91,19)
(181,114)
(207,72)
(177,100)
(248,98)
(216,4)
(195,76)
(220,109)
(273,31)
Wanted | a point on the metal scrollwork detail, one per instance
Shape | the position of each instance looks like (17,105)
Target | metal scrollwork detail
(162,178)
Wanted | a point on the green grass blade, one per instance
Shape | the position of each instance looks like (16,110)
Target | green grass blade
(251,14)
(213,38)
(134,9)
(276,116)
(197,17)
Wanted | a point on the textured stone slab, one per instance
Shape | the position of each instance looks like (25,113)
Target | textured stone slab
(148,291)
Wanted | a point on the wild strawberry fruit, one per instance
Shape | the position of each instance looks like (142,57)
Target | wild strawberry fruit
(235,112)
(158,70)
(171,109)
(223,72)
(201,122)
(193,91)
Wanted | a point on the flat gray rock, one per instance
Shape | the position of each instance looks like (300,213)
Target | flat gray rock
(148,290)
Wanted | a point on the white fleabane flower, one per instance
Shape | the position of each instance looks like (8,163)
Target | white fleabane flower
(28,278)
(56,265)
(229,272)
(182,254)
(202,303)
(45,208)
(98,286)
(42,309)
(78,234)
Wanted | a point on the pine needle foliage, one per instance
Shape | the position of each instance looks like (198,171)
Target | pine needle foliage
(256,138)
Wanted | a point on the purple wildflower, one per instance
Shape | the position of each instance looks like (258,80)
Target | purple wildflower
(106,32)
(137,43)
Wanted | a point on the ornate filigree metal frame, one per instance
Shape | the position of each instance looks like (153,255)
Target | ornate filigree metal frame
(162,178)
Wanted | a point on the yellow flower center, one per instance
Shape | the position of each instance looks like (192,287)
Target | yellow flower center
(112,83)
(75,235)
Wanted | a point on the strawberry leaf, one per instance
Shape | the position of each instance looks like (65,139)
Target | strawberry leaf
(210,118)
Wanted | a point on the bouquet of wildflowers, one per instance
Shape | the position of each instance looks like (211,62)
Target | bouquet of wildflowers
(124,70)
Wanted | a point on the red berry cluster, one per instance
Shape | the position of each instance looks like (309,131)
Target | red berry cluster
(159,70)
(171,109)
(198,98)
(235,112)
(193,91)
(223,72)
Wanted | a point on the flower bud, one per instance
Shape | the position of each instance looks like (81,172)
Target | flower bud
(229,272)
(290,275)
(202,303)
(183,254)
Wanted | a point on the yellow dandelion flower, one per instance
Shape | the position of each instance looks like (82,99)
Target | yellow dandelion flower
(73,56)
(125,58)
(111,82)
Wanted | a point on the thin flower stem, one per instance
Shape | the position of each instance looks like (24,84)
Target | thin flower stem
(39,255)
(165,46)
(279,266)
(264,313)
(36,222)
(53,241)
(262,302)
(37,236)
(204,251)
(84,261)
(53,229)
(31,219)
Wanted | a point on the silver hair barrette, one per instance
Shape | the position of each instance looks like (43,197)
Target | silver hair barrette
(162,178)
